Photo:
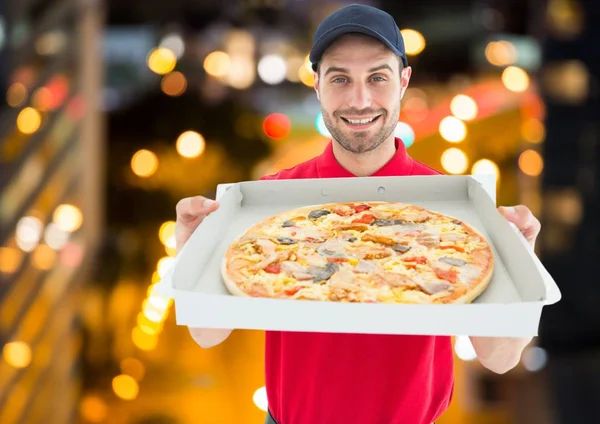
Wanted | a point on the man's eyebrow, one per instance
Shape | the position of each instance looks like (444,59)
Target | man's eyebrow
(344,70)
(335,69)
(380,67)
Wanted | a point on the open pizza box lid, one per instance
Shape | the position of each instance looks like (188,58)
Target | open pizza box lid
(510,306)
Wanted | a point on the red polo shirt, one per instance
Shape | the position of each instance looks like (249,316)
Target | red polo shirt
(324,378)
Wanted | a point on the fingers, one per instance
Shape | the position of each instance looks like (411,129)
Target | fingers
(191,208)
(523,218)
(190,213)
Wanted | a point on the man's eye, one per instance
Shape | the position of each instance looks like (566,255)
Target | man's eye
(339,80)
(378,79)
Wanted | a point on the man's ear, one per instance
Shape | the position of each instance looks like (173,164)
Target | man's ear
(316,84)
(404,80)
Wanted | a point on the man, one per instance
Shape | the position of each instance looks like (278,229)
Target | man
(361,74)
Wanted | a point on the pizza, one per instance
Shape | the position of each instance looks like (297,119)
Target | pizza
(371,252)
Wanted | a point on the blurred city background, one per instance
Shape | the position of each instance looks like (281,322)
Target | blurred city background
(113,110)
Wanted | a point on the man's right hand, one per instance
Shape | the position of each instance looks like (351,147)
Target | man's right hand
(191,211)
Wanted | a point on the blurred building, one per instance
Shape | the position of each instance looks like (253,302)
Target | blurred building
(50,201)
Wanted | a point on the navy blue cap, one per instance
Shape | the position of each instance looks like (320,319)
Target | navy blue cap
(362,19)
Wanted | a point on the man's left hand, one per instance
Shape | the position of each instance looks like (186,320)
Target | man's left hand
(524,219)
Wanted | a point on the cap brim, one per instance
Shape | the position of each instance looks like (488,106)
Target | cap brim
(327,39)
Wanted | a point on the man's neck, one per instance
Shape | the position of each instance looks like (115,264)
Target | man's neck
(365,164)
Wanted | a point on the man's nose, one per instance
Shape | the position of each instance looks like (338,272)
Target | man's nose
(360,97)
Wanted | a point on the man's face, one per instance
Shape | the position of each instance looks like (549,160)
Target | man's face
(360,88)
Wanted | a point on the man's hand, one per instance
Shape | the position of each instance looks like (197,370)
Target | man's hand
(501,354)
(191,211)
(524,220)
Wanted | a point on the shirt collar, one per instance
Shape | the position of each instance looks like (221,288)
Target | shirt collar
(400,164)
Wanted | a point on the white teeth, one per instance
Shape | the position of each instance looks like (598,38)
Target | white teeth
(360,121)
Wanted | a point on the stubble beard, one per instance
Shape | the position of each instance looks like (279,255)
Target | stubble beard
(360,141)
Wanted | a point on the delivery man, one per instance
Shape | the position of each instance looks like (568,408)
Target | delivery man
(361,75)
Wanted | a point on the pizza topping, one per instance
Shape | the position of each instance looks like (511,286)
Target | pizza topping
(401,248)
(323,273)
(318,213)
(394,279)
(287,224)
(416,259)
(453,261)
(296,270)
(452,237)
(428,239)
(286,240)
(332,248)
(387,222)
(343,210)
(366,218)
(431,286)
(364,267)
(379,239)
(352,239)
(360,208)
(273,268)
(267,247)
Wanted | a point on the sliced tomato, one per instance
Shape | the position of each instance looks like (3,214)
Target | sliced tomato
(360,208)
(273,268)
(338,260)
(416,259)
(365,219)
(293,290)
(448,275)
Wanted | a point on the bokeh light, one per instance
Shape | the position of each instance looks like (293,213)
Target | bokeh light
(533,130)
(93,409)
(28,233)
(29,120)
(454,161)
(406,133)
(217,64)
(144,341)
(501,53)
(162,60)
(43,257)
(166,231)
(531,163)
(67,218)
(277,126)
(260,398)
(144,163)
(10,259)
(174,84)
(272,69)
(17,354)
(190,144)
(515,79)
(414,42)
(463,107)
(16,94)
(452,129)
(125,387)
(320,124)
(486,167)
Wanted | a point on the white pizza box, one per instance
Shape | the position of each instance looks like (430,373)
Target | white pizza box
(510,306)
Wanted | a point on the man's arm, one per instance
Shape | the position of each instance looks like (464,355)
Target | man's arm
(501,354)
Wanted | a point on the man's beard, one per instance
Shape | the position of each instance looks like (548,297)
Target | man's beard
(360,141)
